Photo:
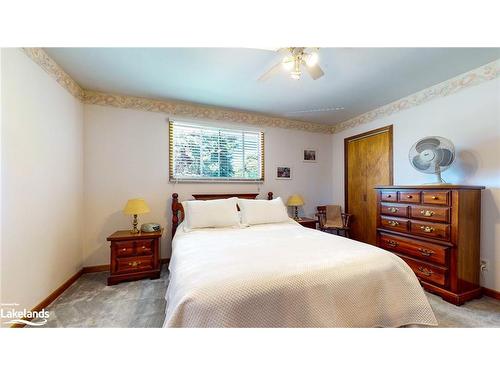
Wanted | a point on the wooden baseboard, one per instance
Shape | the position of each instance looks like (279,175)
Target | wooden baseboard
(491,293)
(56,293)
(100,268)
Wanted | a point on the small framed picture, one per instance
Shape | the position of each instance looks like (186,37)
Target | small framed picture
(309,156)
(283,173)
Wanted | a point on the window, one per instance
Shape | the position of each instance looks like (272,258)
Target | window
(203,153)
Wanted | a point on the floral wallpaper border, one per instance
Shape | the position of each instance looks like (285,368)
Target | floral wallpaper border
(177,108)
(198,111)
(453,85)
(39,56)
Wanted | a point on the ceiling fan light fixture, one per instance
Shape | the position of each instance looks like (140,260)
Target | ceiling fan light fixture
(295,74)
(288,63)
(312,59)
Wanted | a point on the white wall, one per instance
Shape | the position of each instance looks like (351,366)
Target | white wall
(126,156)
(42,182)
(471,119)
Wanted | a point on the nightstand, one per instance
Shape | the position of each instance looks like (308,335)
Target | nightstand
(134,256)
(307,222)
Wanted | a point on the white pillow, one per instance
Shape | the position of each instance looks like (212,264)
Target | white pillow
(258,211)
(215,213)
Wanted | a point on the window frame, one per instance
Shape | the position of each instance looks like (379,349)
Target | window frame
(174,179)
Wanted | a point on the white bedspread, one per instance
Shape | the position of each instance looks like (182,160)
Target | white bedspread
(285,275)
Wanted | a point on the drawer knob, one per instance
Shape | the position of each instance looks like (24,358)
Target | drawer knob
(389,195)
(427,213)
(393,209)
(393,223)
(426,252)
(134,264)
(425,271)
(392,243)
(409,196)
(427,229)
(434,197)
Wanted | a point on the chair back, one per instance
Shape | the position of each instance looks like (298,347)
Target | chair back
(334,216)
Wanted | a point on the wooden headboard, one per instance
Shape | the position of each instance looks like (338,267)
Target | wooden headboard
(178,210)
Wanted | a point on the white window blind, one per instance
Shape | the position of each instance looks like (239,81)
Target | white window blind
(204,153)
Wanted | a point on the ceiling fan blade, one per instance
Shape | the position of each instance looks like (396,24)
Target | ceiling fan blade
(274,70)
(314,71)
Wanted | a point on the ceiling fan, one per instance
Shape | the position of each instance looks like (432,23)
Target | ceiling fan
(294,60)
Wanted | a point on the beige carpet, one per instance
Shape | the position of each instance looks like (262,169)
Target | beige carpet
(90,302)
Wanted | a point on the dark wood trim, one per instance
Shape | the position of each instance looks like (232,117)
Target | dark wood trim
(56,293)
(178,210)
(384,129)
(52,296)
(99,268)
(491,293)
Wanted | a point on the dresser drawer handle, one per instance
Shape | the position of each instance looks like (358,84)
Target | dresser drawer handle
(409,196)
(393,209)
(392,243)
(389,196)
(134,264)
(393,223)
(427,229)
(425,271)
(427,213)
(434,197)
(426,252)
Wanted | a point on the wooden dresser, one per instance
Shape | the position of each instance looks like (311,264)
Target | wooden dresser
(435,229)
(134,256)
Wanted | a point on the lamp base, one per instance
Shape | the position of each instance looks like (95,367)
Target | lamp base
(134,223)
(296,214)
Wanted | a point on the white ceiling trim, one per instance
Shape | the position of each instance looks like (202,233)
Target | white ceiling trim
(453,85)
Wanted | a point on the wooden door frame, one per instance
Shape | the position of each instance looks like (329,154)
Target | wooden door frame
(383,129)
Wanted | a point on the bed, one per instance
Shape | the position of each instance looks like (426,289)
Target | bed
(286,275)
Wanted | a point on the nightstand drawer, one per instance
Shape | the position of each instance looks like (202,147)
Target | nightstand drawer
(144,247)
(135,264)
(124,248)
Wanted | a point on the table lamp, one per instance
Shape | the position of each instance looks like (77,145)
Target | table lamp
(295,201)
(136,207)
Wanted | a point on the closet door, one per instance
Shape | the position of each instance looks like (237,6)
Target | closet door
(368,162)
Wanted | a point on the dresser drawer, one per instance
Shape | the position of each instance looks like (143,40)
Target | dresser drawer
(409,196)
(436,197)
(394,223)
(124,248)
(134,264)
(394,209)
(441,214)
(435,230)
(144,247)
(428,272)
(389,196)
(414,248)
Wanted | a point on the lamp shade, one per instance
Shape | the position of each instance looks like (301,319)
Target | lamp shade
(295,200)
(136,207)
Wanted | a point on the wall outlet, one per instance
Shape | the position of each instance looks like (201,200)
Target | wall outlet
(484,266)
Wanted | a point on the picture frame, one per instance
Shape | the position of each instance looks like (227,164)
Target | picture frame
(283,173)
(309,155)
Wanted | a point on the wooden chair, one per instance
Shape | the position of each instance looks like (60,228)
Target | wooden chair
(331,218)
